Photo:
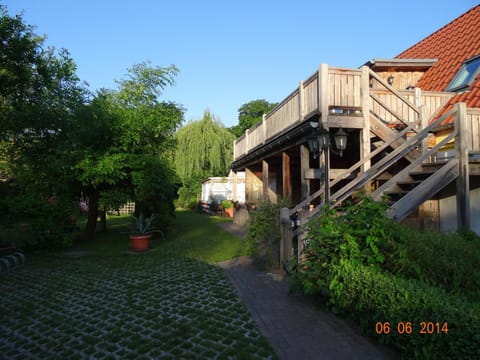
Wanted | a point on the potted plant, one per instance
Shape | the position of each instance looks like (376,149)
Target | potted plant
(227,207)
(142,232)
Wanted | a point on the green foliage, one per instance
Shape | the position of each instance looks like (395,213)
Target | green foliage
(55,140)
(204,148)
(32,222)
(263,234)
(359,234)
(139,129)
(360,263)
(250,114)
(189,193)
(227,204)
(372,296)
(145,225)
(446,260)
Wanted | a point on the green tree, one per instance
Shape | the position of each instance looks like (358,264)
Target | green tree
(250,114)
(39,95)
(125,138)
(204,148)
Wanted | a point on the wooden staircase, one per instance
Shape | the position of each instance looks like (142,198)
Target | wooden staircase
(406,189)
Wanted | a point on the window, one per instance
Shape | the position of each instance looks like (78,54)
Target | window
(465,75)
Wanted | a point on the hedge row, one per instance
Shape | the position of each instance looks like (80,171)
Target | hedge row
(383,302)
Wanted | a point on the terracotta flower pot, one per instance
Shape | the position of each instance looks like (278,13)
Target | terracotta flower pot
(228,212)
(140,242)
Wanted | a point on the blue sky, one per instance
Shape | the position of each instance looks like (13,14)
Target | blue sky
(231,52)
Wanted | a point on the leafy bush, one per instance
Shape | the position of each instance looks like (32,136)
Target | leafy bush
(363,264)
(445,260)
(34,223)
(263,234)
(360,234)
(227,204)
(372,296)
(363,234)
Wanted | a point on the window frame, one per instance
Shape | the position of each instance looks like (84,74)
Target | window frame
(470,77)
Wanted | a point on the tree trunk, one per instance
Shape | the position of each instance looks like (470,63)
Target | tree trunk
(89,233)
(103,219)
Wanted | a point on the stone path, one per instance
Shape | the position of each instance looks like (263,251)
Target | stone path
(294,326)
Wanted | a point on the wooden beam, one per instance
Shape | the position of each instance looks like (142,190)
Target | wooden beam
(304,166)
(344,121)
(312,174)
(300,101)
(286,236)
(234,186)
(365,132)
(286,180)
(463,182)
(323,92)
(265,187)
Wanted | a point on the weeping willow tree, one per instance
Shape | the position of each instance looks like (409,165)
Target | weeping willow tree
(204,148)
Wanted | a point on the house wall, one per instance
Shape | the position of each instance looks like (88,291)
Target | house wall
(448,207)
(401,79)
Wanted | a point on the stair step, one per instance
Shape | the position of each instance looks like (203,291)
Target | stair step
(421,173)
(408,184)
(396,192)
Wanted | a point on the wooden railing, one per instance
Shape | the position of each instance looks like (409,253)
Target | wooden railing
(329,90)
(473,119)
(326,88)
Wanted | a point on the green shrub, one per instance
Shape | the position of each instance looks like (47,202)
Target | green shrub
(360,263)
(263,234)
(34,223)
(226,204)
(445,260)
(372,296)
(361,233)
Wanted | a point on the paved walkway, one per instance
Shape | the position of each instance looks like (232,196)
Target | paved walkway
(294,326)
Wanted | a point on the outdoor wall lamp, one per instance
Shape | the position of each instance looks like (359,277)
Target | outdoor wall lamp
(340,140)
(320,141)
(390,79)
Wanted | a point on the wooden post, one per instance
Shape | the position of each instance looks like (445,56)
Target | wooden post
(247,145)
(323,92)
(285,236)
(301,219)
(326,171)
(423,120)
(304,166)
(234,187)
(249,186)
(264,128)
(463,181)
(265,180)
(365,145)
(234,150)
(300,101)
(286,181)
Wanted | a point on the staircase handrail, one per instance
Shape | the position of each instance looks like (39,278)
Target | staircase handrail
(394,91)
(377,193)
(387,161)
(380,166)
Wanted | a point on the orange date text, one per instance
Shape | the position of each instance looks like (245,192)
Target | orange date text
(407,327)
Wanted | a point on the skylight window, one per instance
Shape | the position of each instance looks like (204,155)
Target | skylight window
(465,75)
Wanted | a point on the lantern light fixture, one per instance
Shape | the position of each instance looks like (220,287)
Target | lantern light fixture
(320,141)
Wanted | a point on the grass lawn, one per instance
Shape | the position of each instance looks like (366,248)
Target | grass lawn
(109,304)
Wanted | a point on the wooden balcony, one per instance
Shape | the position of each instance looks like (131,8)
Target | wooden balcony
(341,97)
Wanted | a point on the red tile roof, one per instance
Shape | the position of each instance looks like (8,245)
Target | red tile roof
(454,43)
